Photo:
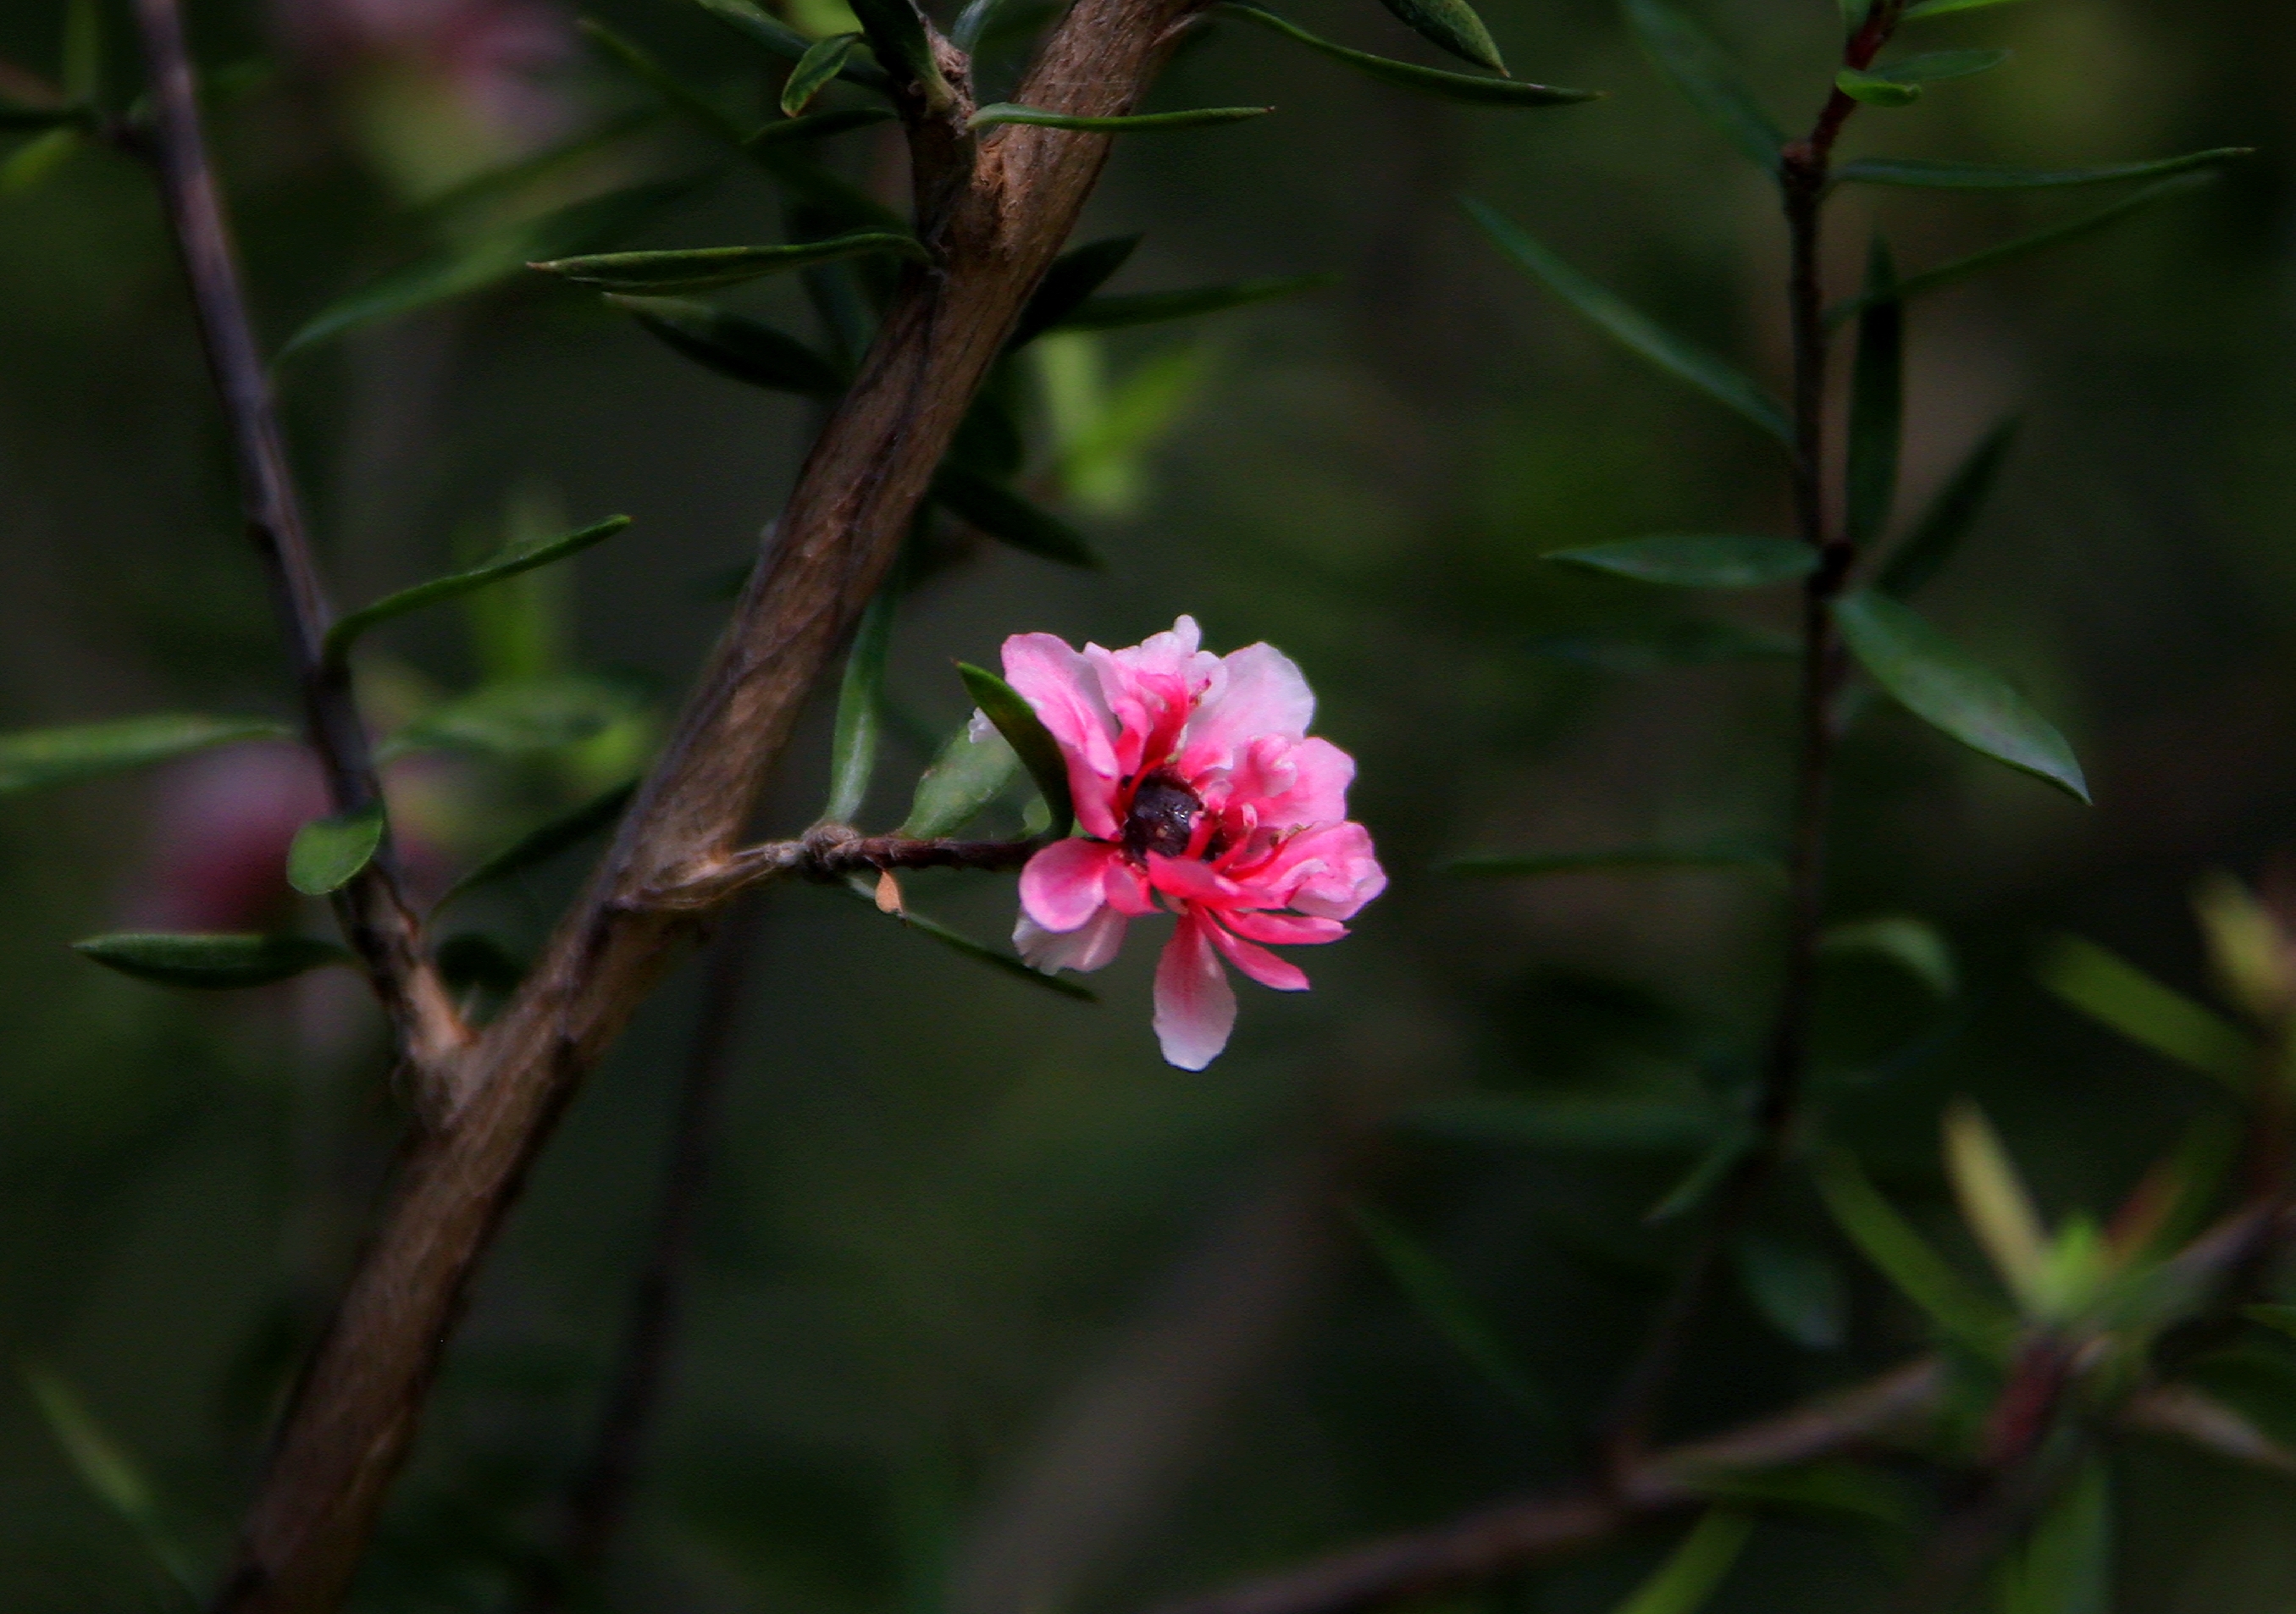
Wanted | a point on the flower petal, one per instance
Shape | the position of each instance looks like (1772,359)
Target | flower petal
(1329,872)
(1195,1007)
(1256,962)
(1283,930)
(1194,881)
(1265,693)
(1060,686)
(1087,947)
(1065,885)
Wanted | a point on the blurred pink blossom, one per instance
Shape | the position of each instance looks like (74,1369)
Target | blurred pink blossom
(1194,782)
(220,826)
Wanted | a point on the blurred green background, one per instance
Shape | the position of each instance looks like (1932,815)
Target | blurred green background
(992,1313)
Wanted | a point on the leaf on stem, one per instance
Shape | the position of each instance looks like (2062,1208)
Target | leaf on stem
(815,126)
(112,1476)
(1797,1290)
(1682,360)
(1635,1125)
(1155,308)
(2108,988)
(1635,859)
(522,717)
(1031,741)
(1436,1295)
(83,51)
(1877,404)
(1451,24)
(898,33)
(1688,56)
(1869,90)
(963,779)
(37,157)
(696,107)
(1697,560)
(1996,1206)
(348,629)
(1927,9)
(1002,514)
(1913,945)
(1732,1144)
(733,345)
(328,853)
(1942,683)
(1908,1260)
(31,759)
(1136,123)
(701,269)
(1984,176)
(956,941)
(211,961)
(2065,1563)
(860,712)
(823,60)
(1075,275)
(1936,67)
(778,39)
(1950,517)
(1463,87)
(1695,1569)
(545,841)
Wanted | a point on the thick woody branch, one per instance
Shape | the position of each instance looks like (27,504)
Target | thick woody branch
(374,918)
(349,1426)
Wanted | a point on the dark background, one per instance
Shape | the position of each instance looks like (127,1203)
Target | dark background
(993,1312)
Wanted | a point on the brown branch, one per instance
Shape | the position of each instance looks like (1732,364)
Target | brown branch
(377,922)
(355,1413)
(1502,1540)
(830,852)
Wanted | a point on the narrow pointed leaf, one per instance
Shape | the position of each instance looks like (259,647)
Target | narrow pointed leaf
(1515,865)
(1136,123)
(218,962)
(1003,514)
(1463,87)
(112,1476)
(1983,177)
(970,24)
(1907,1261)
(1877,404)
(1682,360)
(1155,308)
(963,779)
(491,187)
(778,39)
(1936,67)
(1075,275)
(1942,683)
(545,841)
(1030,740)
(699,268)
(1994,1204)
(673,91)
(83,51)
(1870,90)
(1656,1125)
(1697,560)
(898,33)
(1797,1290)
(860,712)
(1733,1142)
(1950,517)
(1451,24)
(1688,56)
(1941,8)
(328,853)
(1695,1569)
(1440,1301)
(822,62)
(1991,257)
(828,205)
(979,951)
(2065,1565)
(348,629)
(522,717)
(1910,944)
(815,126)
(33,757)
(733,345)
(2113,991)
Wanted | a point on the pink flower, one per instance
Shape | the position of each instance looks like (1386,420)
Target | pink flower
(1195,782)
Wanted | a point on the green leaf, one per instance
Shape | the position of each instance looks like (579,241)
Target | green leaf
(328,853)
(823,60)
(816,126)
(1697,560)
(1507,866)
(1136,123)
(1838,1489)
(1463,87)
(2065,1565)
(1983,177)
(1451,24)
(1104,435)
(1732,1144)
(1872,90)
(110,1473)
(520,716)
(1003,514)
(30,759)
(2110,990)
(1950,517)
(545,841)
(347,629)
(1682,360)
(1995,1205)
(1927,9)
(1695,1568)
(1654,646)
(491,260)
(1908,1259)
(83,51)
(1913,945)
(218,962)
(963,779)
(1936,67)
(733,345)
(1440,1301)
(37,157)
(1796,1289)
(1877,404)
(1657,1126)
(898,33)
(1030,740)
(2280,1319)
(860,712)
(956,941)
(1942,685)
(1156,308)
(778,39)
(699,268)
(1075,275)
(674,93)
(1688,56)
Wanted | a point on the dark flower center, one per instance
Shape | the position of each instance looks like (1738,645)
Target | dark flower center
(1163,816)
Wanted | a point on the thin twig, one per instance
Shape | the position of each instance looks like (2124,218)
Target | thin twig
(374,918)
(832,852)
